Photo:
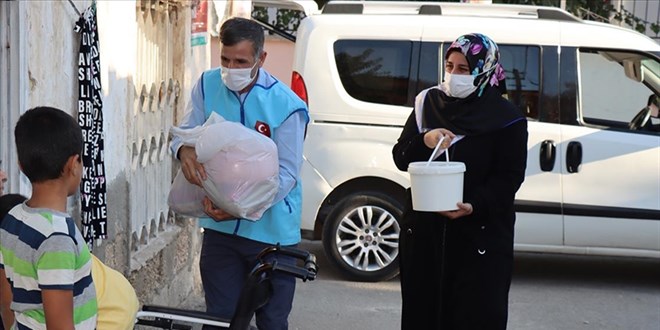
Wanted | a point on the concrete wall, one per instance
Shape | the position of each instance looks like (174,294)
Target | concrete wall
(163,265)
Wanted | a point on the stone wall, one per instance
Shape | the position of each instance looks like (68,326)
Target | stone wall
(157,251)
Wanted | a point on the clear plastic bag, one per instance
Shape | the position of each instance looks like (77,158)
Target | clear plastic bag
(242,172)
(186,198)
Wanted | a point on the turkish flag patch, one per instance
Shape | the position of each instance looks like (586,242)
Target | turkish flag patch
(262,128)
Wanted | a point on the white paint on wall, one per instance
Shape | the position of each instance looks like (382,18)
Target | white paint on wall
(117,38)
(51,52)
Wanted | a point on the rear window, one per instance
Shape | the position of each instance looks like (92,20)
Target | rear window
(375,70)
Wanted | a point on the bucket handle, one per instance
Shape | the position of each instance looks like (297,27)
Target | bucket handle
(435,151)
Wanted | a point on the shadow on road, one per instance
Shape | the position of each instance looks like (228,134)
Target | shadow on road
(556,268)
(587,270)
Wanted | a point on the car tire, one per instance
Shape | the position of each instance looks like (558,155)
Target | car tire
(361,236)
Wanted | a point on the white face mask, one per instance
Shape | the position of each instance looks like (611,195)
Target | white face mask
(458,85)
(237,79)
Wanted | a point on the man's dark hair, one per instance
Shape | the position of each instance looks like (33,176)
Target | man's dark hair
(237,29)
(45,139)
(8,201)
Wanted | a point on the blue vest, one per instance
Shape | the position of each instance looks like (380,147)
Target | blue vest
(270,105)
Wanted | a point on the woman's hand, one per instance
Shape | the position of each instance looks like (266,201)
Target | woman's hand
(463,210)
(432,137)
(191,168)
(214,212)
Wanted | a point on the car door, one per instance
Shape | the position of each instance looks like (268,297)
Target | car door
(610,172)
(539,223)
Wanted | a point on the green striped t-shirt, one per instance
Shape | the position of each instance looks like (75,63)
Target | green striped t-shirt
(42,249)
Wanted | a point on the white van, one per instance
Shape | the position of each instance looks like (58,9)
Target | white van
(593,176)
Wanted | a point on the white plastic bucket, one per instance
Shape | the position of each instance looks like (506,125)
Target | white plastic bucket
(436,187)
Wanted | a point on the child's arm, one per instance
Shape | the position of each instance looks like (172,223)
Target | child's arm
(56,264)
(5,301)
(58,309)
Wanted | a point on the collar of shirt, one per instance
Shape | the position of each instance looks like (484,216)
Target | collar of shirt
(263,79)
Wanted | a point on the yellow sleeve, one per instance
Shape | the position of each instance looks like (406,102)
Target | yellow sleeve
(116,299)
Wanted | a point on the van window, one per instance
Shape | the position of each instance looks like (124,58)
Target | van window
(522,71)
(521,67)
(609,97)
(429,59)
(374,70)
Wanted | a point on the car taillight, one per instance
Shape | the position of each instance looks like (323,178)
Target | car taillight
(298,86)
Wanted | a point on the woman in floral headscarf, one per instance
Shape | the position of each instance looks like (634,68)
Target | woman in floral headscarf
(456,265)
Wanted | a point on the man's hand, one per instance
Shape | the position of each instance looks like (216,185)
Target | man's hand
(191,168)
(463,210)
(214,212)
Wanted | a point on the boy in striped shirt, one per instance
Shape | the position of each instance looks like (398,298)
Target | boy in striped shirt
(42,252)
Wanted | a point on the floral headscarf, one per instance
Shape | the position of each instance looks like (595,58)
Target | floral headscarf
(478,113)
(483,57)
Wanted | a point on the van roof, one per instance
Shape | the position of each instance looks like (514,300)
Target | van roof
(538,24)
(446,9)
(431,28)
(309,7)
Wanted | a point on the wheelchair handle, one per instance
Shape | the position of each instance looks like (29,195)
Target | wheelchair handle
(283,250)
(307,272)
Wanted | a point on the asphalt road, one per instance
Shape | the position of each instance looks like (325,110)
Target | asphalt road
(548,292)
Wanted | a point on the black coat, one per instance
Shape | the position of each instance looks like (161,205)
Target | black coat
(455,274)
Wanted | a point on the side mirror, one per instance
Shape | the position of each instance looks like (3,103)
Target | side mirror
(633,69)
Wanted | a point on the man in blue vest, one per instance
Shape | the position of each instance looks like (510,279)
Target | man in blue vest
(242,91)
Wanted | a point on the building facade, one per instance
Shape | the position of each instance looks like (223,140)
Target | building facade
(148,66)
(647,11)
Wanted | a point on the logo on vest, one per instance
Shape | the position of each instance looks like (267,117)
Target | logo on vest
(262,128)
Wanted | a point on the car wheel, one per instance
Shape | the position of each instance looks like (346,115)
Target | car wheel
(361,236)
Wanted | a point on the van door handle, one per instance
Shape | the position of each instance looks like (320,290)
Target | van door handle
(573,157)
(547,155)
